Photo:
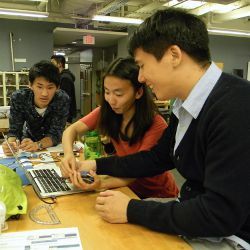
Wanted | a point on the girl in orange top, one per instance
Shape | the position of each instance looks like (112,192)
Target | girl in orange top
(130,119)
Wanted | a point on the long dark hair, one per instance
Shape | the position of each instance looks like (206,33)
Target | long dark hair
(145,109)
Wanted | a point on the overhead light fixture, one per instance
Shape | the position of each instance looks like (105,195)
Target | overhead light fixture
(60,53)
(215,7)
(228,32)
(224,8)
(185,4)
(189,5)
(117,19)
(173,3)
(235,14)
(26,13)
(204,9)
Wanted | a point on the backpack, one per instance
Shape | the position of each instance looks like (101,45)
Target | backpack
(11,193)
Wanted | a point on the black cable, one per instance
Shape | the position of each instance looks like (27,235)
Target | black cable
(53,198)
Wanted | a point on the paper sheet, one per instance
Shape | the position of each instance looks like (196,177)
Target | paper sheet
(76,147)
(45,239)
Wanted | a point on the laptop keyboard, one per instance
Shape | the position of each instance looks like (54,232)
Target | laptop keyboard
(50,181)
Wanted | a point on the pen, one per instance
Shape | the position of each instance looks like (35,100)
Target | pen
(18,145)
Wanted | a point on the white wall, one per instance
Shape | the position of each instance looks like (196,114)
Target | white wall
(234,52)
(122,47)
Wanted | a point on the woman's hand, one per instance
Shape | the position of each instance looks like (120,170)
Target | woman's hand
(68,165)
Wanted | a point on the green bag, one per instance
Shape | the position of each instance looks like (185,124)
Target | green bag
(11,192)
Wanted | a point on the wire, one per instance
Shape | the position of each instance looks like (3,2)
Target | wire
(53,198)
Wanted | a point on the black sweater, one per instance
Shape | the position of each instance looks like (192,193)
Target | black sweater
(67,84)
(214,157)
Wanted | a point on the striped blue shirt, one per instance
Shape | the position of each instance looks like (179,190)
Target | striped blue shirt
(189,109)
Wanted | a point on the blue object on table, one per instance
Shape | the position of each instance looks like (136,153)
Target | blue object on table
(28,155)
(11,163)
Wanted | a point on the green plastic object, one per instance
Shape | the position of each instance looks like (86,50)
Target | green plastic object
(92,145)
(89,154)
(11,192)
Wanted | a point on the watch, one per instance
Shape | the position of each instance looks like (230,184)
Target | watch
(40,145)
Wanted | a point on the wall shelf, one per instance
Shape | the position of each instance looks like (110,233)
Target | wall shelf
(10,82)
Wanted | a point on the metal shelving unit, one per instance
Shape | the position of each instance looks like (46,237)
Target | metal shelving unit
(9,82)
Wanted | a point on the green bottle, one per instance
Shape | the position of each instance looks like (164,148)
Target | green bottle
(92,145)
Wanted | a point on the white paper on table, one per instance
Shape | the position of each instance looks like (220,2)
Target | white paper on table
(57,148)
(43,157)
(76,147)
(1,152)
(45,239)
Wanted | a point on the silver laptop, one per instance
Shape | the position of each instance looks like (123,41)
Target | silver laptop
(47,180)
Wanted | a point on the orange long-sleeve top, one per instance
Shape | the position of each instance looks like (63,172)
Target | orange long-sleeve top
(162,185)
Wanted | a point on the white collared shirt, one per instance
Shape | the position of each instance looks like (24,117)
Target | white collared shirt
(189,109)
(40,111)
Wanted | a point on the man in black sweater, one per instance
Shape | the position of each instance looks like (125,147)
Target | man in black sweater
(66,83)
(207,141)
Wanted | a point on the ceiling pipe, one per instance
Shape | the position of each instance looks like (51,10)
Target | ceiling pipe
(111,7)
(43,6)
(12,51)
(17,6)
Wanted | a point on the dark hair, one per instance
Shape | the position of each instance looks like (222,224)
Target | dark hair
(45,69)
(145,109)
(172,27)
(59,59)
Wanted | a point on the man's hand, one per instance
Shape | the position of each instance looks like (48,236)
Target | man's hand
(112,206)
(87,165)
(76,179)
(28,145)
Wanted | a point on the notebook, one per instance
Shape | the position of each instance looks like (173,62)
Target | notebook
(47,180)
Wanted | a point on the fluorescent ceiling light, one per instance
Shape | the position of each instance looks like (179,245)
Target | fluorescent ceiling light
(218,8)
(60,53)
(204,9)
(221,8)
(190,4)
(228,32)
(117,19)
(185,4)
(27,13)
(172,3)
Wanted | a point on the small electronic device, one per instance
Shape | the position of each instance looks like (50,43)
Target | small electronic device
(86,177)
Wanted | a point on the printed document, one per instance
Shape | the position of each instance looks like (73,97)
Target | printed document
(45,239)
